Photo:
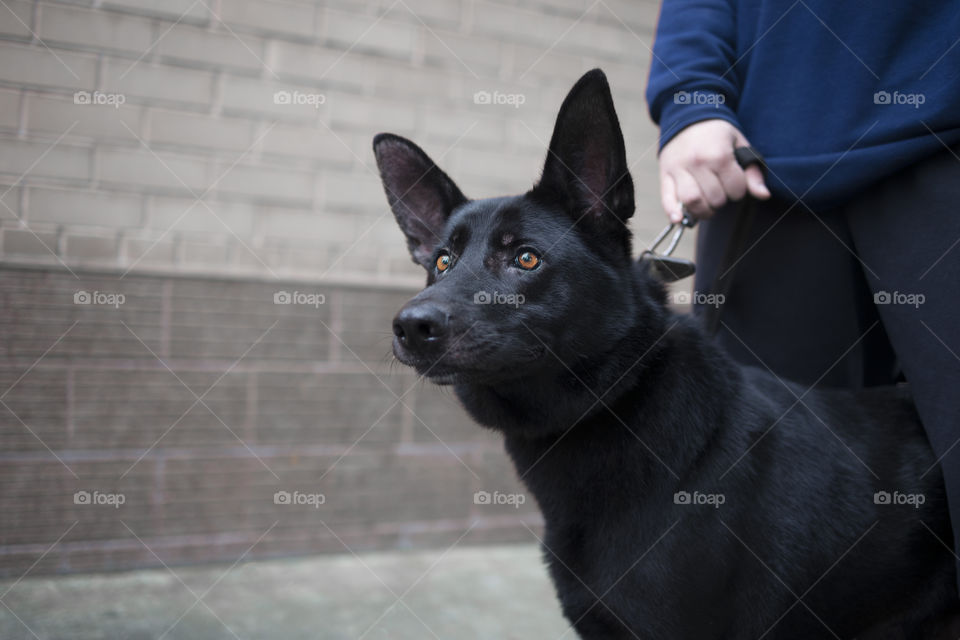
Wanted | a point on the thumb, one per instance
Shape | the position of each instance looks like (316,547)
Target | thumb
(755,183)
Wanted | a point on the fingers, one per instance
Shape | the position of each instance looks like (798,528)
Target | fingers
(711,187)
(699,172)
(668,198)
(691,195)
(733,179)
(703,190)
(755,182)
(752,175)
(699,190)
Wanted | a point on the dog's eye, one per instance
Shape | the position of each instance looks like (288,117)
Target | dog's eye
(528,260)
(443,262)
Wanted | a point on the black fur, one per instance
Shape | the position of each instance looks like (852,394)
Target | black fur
(611,404)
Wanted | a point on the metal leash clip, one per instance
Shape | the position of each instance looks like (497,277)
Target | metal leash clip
(664,265)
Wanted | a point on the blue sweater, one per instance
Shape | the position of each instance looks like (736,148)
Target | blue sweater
(835,94)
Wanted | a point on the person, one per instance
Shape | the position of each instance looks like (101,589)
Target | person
(850,271)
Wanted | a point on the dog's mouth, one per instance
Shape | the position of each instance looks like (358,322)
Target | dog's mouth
(451,370)
(447,376)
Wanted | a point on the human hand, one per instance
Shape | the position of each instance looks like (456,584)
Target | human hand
(699,172)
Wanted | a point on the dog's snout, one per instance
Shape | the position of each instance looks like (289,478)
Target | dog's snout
(421,325)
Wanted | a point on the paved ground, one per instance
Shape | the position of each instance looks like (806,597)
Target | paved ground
(496,593)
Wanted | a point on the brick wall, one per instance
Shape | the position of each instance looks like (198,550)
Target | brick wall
(147,149)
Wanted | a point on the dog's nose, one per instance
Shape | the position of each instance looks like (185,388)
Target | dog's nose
(420,326)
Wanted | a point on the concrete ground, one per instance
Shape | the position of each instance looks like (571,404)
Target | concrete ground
(496,593)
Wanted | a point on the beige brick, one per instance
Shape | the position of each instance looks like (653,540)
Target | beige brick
(315,142)
(430,12)
(399,81)
(602,40)
(157,82)
(628,88)
(35,66)
(92,248)
(9,202)
(361,112)
(54,115)
(382,230)
(451,127)
(131,169)
(502,22)
(92,28)
(571,8)
(296,19)
(23,242)
(529,137)
(533,103)
(177,214)
(16,19)
(513,169)
(43,160)
(183,10)
(196,130)
(307,225)
(536,64)
(369,33)
(212,48)
(640,17)
(317,62)
(246,96)
(354,191)
(463,53)
(199,253)
(147,252)
(266,184)
(361,143)
(83,207)
(10,109)
(311,259)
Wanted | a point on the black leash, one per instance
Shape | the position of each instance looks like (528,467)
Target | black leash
(736,246)
(671,269)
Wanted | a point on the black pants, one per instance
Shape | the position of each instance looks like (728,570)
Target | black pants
(862,295)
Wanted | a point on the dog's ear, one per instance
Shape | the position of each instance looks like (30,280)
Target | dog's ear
(586,165)
(420,194)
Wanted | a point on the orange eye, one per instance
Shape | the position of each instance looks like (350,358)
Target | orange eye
(443,262)
(528,260)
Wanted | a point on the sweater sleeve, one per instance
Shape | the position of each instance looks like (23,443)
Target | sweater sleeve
(692,74)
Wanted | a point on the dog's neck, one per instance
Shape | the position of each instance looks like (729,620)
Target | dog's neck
(573,430)
(548,404)
(569,389)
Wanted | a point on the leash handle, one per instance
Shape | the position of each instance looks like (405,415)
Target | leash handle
(745,157)
(671,269)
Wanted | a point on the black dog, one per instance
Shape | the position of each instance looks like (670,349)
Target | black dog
(684,496)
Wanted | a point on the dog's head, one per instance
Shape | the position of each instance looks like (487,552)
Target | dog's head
(522,284)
